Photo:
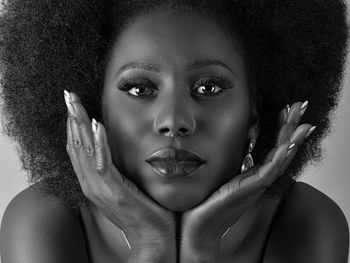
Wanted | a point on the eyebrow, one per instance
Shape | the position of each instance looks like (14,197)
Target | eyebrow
(190,66)
(208,62)
(138,65)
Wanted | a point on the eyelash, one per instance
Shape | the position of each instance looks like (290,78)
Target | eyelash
(221,82)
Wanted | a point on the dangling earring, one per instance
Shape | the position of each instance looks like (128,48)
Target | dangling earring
(247,162)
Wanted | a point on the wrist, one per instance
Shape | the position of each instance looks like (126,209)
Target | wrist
(200,257)
(200,251)
(155,251)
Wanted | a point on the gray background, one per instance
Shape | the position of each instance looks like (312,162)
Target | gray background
(331,176)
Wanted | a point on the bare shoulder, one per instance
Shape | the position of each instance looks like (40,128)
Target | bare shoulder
(309,227)
(38,228)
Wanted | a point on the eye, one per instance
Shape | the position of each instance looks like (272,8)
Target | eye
(138,89)
(212,86)
(208,89)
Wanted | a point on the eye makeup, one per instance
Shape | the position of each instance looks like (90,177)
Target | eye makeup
(218,82)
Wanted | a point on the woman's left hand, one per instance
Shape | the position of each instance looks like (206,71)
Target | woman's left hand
(203,226)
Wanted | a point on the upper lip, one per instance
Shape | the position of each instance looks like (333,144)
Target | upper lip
(172,154)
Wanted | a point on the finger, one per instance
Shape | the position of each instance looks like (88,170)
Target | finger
(105,167)
(283,136)
(297,110)
(299,134)
(79,111)
(70,145)
(288,118)
(74,157)
(86,151)
(293,119)
(103,156)
(244,189)
(282,116)
(82,119)
(78,148)
(298,137)
(261,177)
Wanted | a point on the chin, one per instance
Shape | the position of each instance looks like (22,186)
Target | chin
(178,201)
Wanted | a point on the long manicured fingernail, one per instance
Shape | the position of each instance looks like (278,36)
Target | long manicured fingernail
(67,99)
(94,125)
(290,149)
(66,96)
(288,108)
(309,131)
(303,108)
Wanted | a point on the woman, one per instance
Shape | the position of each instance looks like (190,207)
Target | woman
(172,172)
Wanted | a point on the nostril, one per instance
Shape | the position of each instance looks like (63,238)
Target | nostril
(168,132)
(164,130)
(183,131)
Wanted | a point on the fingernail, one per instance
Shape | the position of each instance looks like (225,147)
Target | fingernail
(290,149)
(76,143)
(225,232)
(303,108)
(288,108)
(309,131)
(66,96)
(94,125)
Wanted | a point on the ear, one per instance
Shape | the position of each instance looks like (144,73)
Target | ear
(254,123)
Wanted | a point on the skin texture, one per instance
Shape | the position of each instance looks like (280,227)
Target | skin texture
(173,103)
(148,226)
(46,49)
(118,198)
(200,230)
(200,227)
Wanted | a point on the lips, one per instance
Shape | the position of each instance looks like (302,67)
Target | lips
(172,162)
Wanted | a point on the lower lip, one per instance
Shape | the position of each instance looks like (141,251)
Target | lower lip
(175,170)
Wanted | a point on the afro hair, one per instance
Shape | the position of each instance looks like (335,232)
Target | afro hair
(295,50)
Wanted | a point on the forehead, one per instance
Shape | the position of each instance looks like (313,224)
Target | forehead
(175,38)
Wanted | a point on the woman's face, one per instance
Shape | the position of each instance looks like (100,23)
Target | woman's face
(173,73)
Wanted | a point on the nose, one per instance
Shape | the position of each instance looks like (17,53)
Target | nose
(175,117)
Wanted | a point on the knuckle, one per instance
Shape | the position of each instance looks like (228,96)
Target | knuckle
(89,151)
(291,126)
(98,147)
(71,119)
(76,142)
(101,167)
(295,121)
(263,181)
(256,170)
(242,181)
(228,189)
(81,125)
(263,184)
(231,188)
(69,148)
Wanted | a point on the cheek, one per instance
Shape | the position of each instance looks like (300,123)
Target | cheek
(125,132)
(230,141)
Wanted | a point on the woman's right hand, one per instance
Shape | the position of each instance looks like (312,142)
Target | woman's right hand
(149,228)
